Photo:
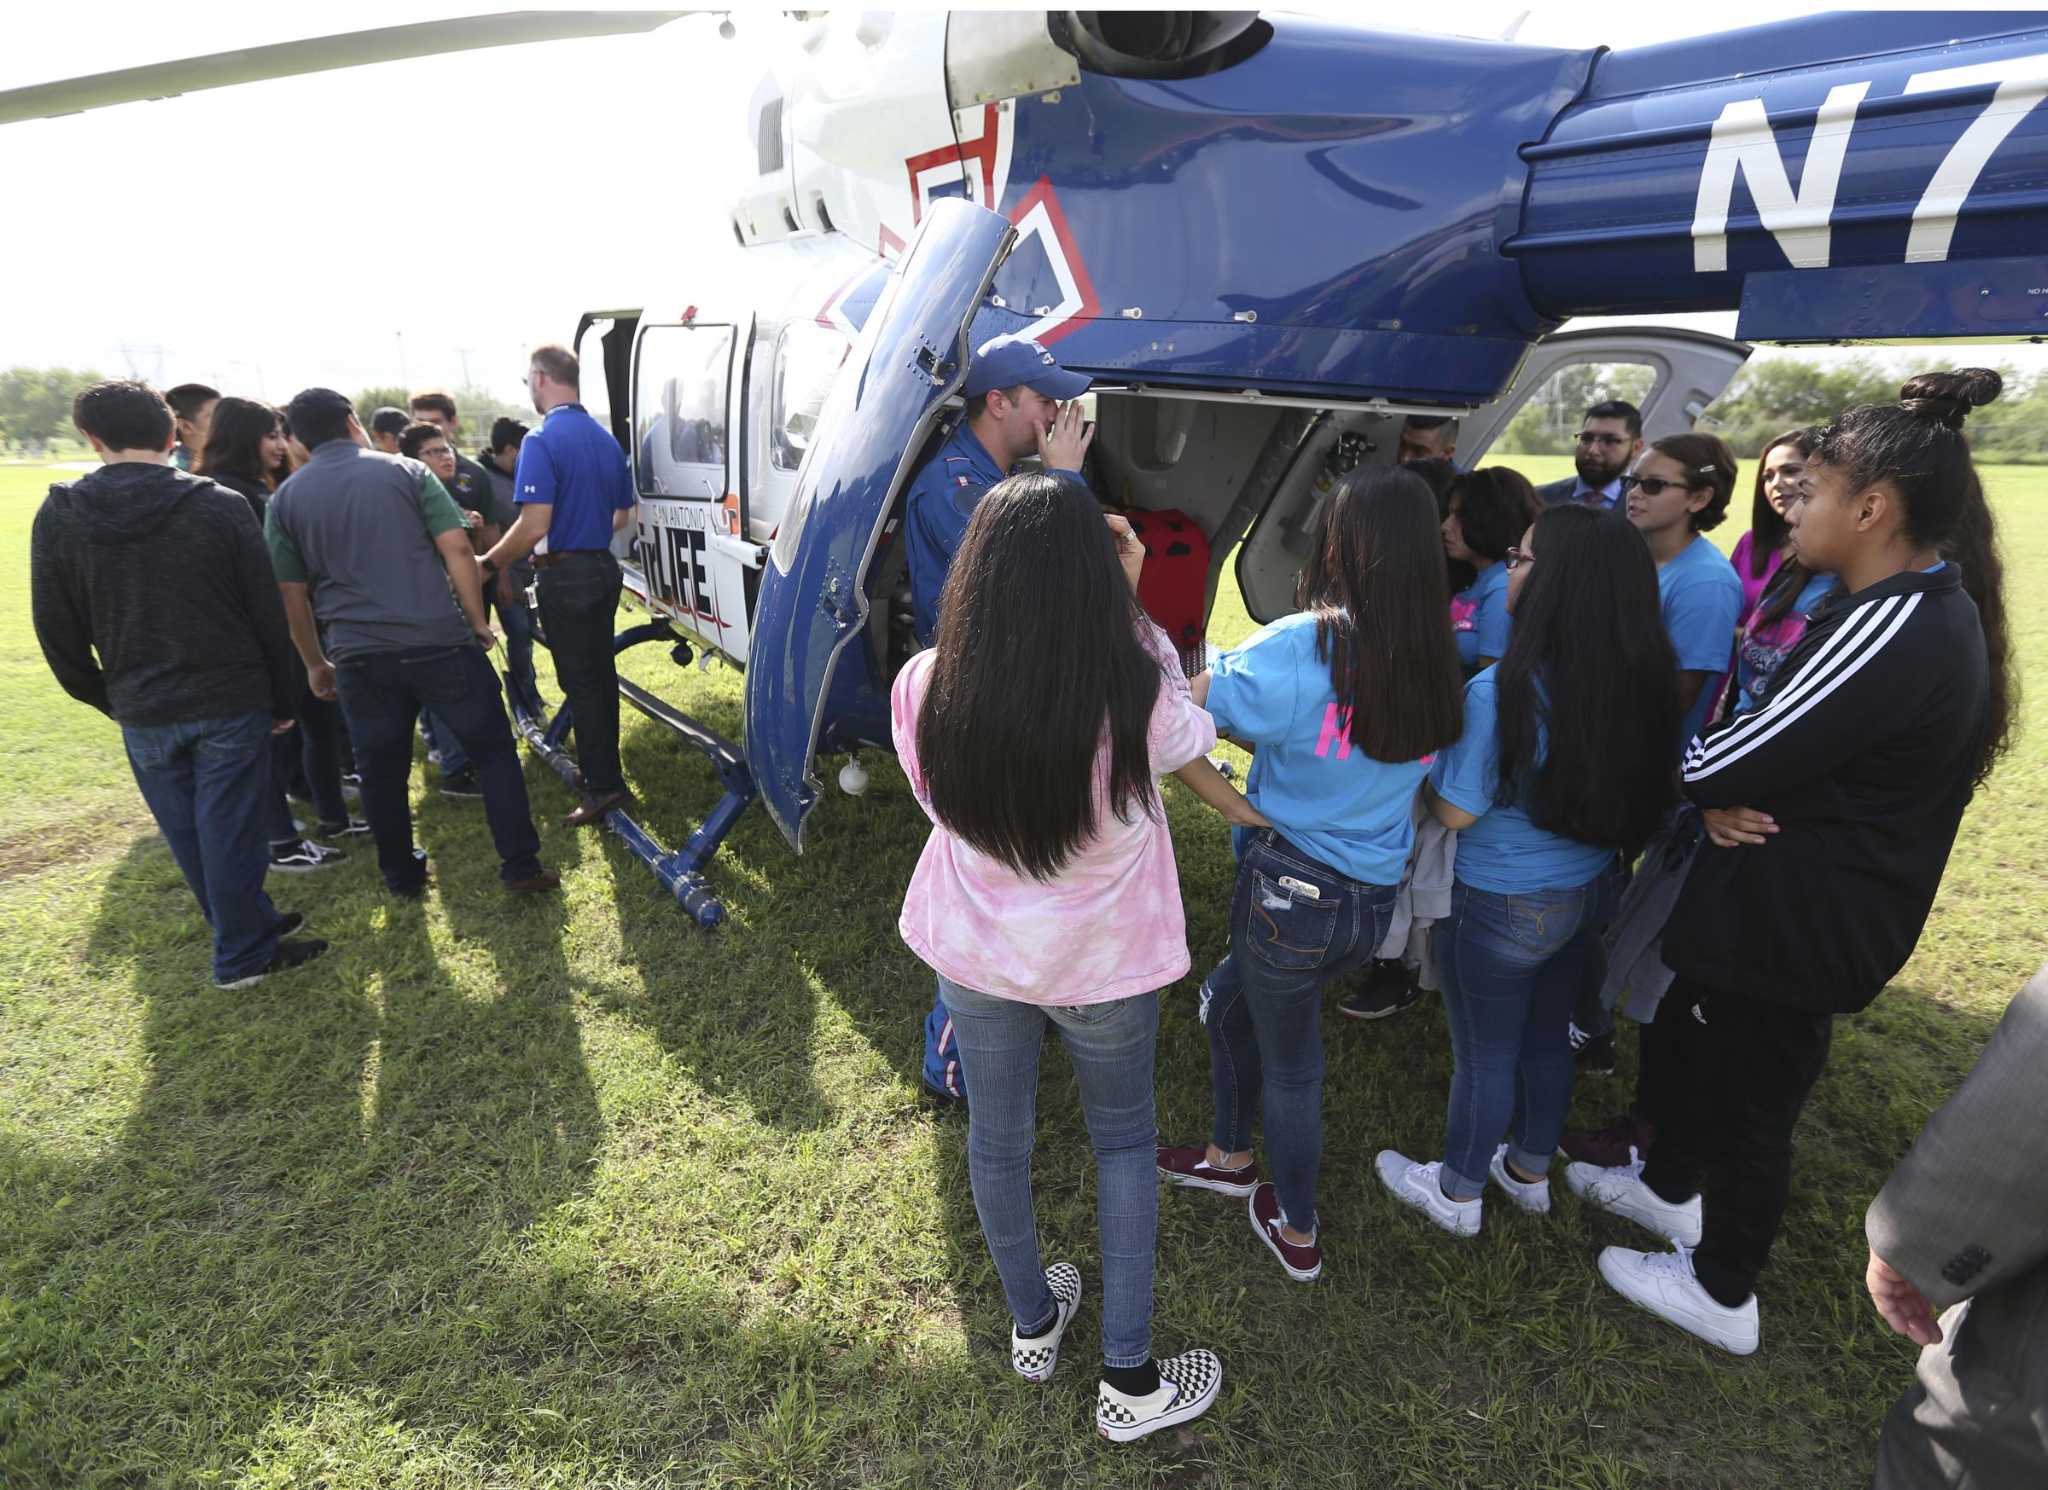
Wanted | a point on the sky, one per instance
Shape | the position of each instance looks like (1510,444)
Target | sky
(427,222)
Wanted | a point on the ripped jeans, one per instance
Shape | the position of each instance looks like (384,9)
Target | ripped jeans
(1294,924)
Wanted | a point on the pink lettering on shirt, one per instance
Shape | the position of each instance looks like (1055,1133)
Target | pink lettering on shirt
(1462,613)
(1337,729)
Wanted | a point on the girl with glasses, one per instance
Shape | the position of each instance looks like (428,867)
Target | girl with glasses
(1489,510)
(1677,494)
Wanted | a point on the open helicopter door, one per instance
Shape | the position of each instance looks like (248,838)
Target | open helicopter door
(1687,371)
(689,551)
(1670,373)
(911,357)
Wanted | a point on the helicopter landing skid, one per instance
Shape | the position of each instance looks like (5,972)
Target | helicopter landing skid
(680,871)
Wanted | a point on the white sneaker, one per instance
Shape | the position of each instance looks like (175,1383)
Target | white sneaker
(1622,1191)
(1033,1359)
(1531,1196)
(1418,1185)
(1188,1383)
(1665,1284)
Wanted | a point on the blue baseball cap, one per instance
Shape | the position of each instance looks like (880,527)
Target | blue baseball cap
(1006,361)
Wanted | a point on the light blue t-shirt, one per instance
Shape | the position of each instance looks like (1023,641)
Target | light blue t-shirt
(1322,792)
(1504,852)
(1701,595)
(1479,616)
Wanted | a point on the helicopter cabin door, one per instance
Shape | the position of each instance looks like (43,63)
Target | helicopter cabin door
(1670,373)
(689,548)
(805,680)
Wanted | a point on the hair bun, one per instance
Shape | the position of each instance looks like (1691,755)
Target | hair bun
(1947,397)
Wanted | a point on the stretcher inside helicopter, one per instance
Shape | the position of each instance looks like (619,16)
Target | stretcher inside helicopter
(771,450)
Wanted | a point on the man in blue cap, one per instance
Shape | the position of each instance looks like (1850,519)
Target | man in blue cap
(1019,403)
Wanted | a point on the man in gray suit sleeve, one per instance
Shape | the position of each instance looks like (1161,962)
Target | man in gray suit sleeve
(1962,1226)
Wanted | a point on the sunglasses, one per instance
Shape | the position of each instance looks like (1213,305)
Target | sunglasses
(1653,486)
(1516,557)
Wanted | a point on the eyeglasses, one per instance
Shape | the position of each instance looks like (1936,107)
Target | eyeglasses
(1652,486)
(1591,437)
(1517,557)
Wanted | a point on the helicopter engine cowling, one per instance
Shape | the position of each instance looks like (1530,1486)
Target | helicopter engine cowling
(1156,43)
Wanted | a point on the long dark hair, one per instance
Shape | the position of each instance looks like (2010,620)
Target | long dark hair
(234,441)
(1917,446)
(1767,526)
(1375,584)
(1590,684)
(1495,507)
(1039,665)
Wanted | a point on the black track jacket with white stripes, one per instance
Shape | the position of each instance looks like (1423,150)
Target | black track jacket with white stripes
(1862,748)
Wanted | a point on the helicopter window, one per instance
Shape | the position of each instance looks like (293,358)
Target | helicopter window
(807,358)
(679,426)
(1548,422)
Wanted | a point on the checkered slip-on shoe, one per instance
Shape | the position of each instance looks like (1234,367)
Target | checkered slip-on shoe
(1188,1383)
(1034,1359)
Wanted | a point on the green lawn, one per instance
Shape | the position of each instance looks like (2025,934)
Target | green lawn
(570,1194)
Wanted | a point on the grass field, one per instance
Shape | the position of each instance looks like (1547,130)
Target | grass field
(569,1194)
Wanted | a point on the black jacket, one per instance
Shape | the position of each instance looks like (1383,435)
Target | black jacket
(1862,748)
(255,493)
(165,576)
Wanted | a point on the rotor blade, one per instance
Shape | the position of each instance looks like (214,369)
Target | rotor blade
(319,54)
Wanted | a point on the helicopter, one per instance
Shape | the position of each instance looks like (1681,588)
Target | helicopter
(1270,240)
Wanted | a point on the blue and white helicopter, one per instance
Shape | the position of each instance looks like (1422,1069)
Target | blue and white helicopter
(1269,239)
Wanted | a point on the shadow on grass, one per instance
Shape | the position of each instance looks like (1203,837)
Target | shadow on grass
(312,1166)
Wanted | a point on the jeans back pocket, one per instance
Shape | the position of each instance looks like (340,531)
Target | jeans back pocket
(1287,928)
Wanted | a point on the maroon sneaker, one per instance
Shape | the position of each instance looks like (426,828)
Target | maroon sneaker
(1626,1137)
(1303,1263)
(1191,1167)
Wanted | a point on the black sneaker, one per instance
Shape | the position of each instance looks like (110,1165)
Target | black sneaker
(355,827)
(463,785)
(287,956)
(1386,990)
(304,857)
(1593,1053)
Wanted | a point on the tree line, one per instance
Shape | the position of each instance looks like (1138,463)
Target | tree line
(1774,394)
(35,405)
(1769,395)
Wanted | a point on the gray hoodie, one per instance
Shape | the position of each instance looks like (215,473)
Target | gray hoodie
(154,599)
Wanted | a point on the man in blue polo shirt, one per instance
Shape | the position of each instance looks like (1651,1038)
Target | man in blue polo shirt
(1018,404)
(1014,393)
(574,491)
(1610,438)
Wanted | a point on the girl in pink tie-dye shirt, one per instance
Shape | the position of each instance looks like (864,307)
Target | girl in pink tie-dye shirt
(1034,733)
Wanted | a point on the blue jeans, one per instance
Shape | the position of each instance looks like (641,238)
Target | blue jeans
(1264,1005)
(1110,1046)
(311,749)
(454,760)
(1512,969)
(382,694)
(517,620)
(207,784)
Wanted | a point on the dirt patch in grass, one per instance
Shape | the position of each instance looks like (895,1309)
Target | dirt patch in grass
(24,854)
